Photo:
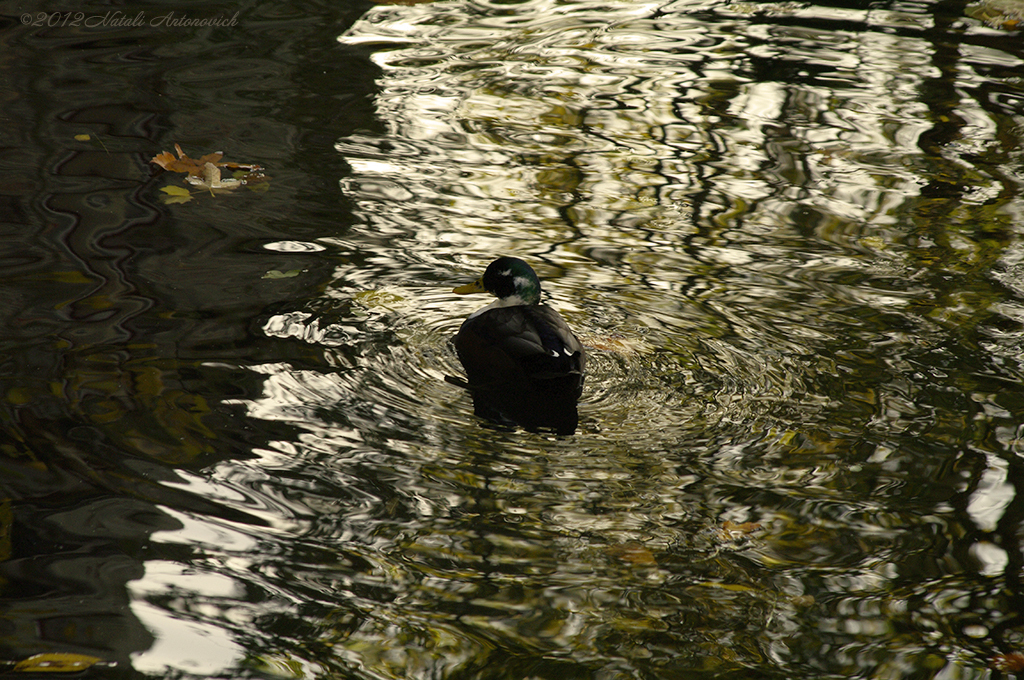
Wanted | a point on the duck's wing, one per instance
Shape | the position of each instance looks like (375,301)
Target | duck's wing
(510,343)
(556,340)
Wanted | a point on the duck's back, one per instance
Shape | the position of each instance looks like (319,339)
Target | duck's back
(524,344)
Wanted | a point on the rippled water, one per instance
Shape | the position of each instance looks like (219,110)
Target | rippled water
(790,235)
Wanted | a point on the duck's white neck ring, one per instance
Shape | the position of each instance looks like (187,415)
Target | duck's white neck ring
(510,301)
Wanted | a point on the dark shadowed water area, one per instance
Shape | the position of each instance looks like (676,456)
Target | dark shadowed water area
(790,234)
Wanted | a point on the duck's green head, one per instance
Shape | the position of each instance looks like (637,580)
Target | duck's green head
(510,279)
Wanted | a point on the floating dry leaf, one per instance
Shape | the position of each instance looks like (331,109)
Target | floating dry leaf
(211,180)
(93,141)
(205,172)
(55,663)
(277,274)
(183,163)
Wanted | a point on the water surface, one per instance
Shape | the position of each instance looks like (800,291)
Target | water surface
(790,235)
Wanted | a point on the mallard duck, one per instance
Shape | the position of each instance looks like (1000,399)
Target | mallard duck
(523,363)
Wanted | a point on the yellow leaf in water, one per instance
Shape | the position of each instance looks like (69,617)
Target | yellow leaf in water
(275,274)
(176,195)
(86,137)
(55,663)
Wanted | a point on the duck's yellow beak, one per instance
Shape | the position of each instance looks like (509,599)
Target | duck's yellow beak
(475,287)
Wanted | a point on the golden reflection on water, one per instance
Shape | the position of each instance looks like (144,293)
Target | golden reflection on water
(779,435)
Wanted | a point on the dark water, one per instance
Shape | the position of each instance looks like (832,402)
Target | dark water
(790,234)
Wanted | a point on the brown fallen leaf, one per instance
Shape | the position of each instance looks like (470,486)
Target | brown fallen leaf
(196,167)
(205,173)
(183,163)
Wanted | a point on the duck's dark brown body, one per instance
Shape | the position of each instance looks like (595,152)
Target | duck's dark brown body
(524,366)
